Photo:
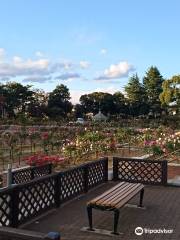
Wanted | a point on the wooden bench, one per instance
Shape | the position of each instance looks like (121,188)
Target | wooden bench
(114,199)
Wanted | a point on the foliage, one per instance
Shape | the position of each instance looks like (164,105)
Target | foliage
(58,102)
(136,96)
(171,91)
(152,82)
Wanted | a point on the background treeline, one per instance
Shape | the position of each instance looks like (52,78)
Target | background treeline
(151,96)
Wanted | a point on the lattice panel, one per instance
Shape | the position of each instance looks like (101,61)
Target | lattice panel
(5,209)
(96,173)
(41,171)
(36,198)
(26,175)
(21,176)
(72,183)
(140,171)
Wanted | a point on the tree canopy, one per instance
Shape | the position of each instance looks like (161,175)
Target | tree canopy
(152,82)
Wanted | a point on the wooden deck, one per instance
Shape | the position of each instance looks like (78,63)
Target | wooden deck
(162,211)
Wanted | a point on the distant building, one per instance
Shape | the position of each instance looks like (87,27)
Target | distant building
(99,117)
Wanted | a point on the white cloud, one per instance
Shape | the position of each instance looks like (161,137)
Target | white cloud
(110,89)
(76,94)
(84,64)
(39,70)
(103,51)
(20,67)
(115,71)
(39,54)
(2,54)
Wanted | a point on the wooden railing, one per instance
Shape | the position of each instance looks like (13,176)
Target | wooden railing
(140,170)
(20,203)
(30,173)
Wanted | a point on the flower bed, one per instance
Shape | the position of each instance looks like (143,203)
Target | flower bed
(77,144)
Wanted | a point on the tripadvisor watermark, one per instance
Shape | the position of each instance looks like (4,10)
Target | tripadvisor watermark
(139,231)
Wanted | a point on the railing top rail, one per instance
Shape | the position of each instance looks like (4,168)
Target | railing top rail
(29,168)
(36,180)
(84,165)
(139,160)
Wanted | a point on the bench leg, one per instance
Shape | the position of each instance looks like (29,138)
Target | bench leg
(89,211)
(141,198)
(116,219)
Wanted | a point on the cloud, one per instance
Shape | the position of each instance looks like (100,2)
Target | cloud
(84,64)
(20,67)
(37,79)
(2,54)
(39,54)
(68,75)
(76,94)
(115,71)
(103,51)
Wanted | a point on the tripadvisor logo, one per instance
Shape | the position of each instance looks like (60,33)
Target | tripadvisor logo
(139,231)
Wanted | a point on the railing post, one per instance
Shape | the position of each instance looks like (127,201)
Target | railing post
(115,169)
(106,169)
(32,172)
(86,170)
(57,191)
(50,168)
(14,206)
(164,172)
(9,175)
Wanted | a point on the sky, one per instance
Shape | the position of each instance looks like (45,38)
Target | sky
(93,45)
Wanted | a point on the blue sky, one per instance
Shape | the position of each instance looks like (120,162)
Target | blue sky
(87,45)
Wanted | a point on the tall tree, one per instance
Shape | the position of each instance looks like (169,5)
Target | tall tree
(136,96)
(153,85)
(59,104)
(37,107)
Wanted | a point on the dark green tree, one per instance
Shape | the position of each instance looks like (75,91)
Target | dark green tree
(37,107)
(120,103)
(153,86)
(59,104)
(137,100)
(98,100)
(17,97)
(78,111)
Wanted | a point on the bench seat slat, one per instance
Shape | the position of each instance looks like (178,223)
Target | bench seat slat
(107,192)
(124,201)
(117,196)
(114,195)
(125,197)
